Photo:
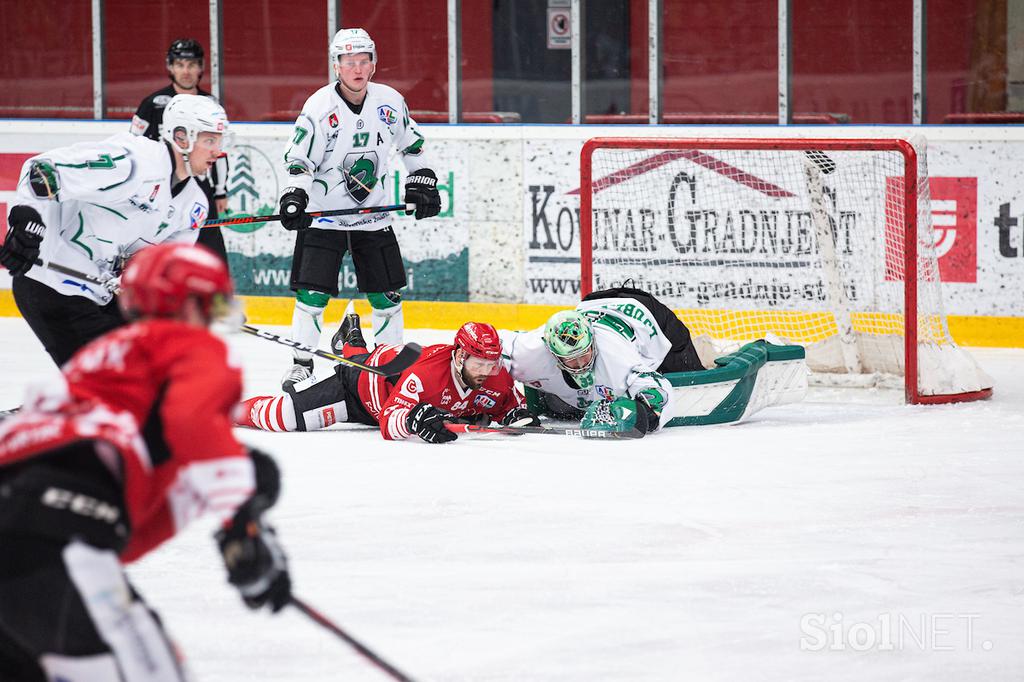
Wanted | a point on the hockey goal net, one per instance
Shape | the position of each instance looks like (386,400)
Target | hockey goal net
(826,243)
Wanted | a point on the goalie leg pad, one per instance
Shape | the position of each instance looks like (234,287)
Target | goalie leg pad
(758,375)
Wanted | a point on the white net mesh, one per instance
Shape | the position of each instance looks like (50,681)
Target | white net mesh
(799,244)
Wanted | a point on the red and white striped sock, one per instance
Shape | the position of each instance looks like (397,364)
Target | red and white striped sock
(268,413)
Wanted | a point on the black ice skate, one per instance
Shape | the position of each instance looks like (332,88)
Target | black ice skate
(348,333)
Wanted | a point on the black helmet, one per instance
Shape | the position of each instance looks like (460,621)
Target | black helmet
(184,48)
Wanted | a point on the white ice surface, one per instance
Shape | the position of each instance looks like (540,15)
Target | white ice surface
(693,555)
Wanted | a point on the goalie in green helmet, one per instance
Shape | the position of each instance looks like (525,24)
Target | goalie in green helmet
(570,338)
(603,363)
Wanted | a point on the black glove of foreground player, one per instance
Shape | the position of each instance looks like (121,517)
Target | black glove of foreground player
(293,206)
(421,189)
(256,564)
(427,422)
(252,554)
(21,247)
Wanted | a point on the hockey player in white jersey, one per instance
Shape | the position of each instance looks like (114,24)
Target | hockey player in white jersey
(608,363)
(337,158)
(91,205)
(613,348)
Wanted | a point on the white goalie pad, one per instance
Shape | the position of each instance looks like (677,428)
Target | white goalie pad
(760,375)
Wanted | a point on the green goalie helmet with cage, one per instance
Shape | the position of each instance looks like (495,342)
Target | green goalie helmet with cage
(570,338)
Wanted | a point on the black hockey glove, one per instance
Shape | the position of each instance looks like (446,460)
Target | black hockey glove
(520,416)
(421,189)
(256,563)
(427,422)
(21,247)
(252,554)
(293,205)
(647,417)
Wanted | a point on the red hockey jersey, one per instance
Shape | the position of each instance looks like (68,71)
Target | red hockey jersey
(162,393)
(432,380)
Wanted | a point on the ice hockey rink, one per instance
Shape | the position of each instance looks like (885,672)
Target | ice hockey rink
(850,537)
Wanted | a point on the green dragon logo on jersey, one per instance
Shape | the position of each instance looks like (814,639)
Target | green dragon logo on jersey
(360,171)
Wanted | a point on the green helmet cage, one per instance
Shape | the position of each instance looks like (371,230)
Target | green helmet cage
(568,335)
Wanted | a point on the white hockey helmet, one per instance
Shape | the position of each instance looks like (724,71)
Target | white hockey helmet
(352,41)
(194,114)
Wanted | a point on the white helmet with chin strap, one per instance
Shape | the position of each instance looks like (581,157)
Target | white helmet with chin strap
(191,115)
(352,41)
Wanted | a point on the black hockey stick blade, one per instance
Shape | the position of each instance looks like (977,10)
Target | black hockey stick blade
(364,651)
(590,434)
(401,362)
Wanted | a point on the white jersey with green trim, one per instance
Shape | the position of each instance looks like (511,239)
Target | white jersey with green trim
(113,198)
(340,158)
(630,347)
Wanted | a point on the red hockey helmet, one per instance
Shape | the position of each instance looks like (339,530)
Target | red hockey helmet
(158,280)
(480,340)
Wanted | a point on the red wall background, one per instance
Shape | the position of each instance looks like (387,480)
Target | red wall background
(851,58)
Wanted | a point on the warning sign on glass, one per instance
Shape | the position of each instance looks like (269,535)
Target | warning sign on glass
(559,24)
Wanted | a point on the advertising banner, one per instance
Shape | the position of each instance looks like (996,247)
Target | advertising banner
(509,225)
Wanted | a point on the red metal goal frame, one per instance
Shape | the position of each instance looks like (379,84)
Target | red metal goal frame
(789,144)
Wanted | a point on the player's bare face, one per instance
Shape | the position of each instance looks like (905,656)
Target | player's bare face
(475,371)
(186,74)
(205,152)
(354,73)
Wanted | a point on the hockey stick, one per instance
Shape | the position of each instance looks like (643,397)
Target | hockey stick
(401,362)
(322,620)
(57,267)
(216,222)
(594,434)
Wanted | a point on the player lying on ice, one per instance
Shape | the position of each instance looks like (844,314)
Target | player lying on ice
(622,361)
(111,462)
(464,381)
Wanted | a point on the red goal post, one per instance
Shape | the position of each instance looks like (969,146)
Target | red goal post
(764,183)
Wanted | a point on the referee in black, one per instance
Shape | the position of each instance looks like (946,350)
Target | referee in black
(185,69)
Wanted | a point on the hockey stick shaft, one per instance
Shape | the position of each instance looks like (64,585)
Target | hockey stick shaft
(595,434)
(401,362)
(57,267)
(248,220)
(322,620)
